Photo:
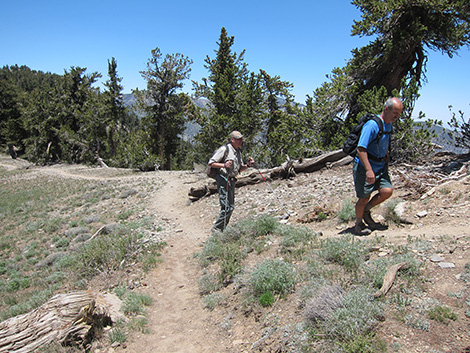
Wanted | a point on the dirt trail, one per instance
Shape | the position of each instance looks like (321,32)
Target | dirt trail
(176,319)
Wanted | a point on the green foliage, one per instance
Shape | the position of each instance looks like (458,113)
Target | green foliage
(443,314)
(117,335)
(164,109)
(355,318)
(227,74)
(376,72)
(106,252)
(209,283)
(211,300)
(228,249)
(461,129)
(347,212)
(135,302)
(266,299)
(274,276)
(139,324)
(343,251)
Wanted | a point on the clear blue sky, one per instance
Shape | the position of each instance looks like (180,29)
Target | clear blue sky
(300,41)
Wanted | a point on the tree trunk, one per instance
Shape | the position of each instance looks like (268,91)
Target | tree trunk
(66,318)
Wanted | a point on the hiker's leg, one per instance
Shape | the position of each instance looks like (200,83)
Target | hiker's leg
(230,200)
(222,220)
(385,187)
(360,207)
(363,192)
(377,199)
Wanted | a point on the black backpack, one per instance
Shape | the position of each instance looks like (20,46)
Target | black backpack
(350,145)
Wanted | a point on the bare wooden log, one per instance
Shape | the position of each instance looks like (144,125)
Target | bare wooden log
(288,169)
(313,164)
(389,278)
(74,317)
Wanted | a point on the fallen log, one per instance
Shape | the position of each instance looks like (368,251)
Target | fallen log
(389,278)
(309,165)
(72,318)
(286,170)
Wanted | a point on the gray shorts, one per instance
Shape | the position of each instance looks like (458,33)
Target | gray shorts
(363,188)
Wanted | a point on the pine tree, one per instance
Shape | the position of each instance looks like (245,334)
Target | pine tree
(393,63)
(165,109)
(115,111)
(224,89)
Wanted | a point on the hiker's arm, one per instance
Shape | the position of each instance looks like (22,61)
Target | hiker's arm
(362,154)
(227,164)
(251,161)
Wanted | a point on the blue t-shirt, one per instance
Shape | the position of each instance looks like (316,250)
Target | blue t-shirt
(375,147)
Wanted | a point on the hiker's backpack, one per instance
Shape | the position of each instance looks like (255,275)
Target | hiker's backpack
(350,145)
(212,172)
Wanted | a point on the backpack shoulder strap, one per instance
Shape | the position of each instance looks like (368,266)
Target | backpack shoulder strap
(380,123)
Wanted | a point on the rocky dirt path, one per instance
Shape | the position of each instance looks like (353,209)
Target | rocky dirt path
(176,319)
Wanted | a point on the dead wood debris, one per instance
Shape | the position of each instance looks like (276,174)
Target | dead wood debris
(389,278)
(424,179)
(72,318)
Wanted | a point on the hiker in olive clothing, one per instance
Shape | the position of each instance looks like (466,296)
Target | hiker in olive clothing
(228,160)
(371,167)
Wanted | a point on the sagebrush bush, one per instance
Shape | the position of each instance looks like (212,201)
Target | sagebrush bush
(356,316)
(293,237)
(347,212)
(106,252)
(208,283)
(323,303)
(274,276)
(134,303)
(390,214)
(211,300)
(344,251)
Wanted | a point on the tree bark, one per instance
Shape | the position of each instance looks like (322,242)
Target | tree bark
(66,318)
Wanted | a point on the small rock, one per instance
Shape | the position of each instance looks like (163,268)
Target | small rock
(400,209)
(436,258)
(422,214)
(446,265)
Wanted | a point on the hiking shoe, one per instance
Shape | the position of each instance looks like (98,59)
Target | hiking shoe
(361,229)
(371,223)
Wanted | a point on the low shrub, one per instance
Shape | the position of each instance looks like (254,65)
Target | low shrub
(347,212)
(275,276)
(344,251)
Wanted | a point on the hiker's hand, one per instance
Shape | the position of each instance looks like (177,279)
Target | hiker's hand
(228,164)
(370,177)
(251,161)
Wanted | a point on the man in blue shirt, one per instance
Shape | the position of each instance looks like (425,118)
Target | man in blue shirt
(370,169)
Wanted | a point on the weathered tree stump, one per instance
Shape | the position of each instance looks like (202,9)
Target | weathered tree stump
(66,318)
